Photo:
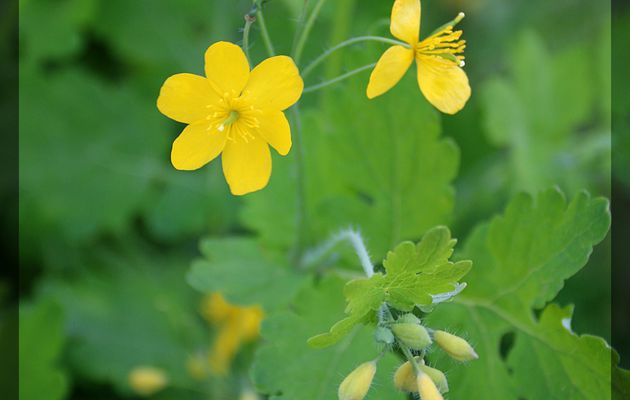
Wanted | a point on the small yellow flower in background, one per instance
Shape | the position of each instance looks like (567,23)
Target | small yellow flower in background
(233,111)
(236,327)
(356,385)
(438,58)
(146,380)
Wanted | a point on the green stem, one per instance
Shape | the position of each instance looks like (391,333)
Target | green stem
(313,88)
(249,20)
(263,30)
(354,238)
(301,187)
(309,68)
(301,41)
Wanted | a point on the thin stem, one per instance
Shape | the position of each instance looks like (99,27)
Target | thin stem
(265,34)
(301,187)
(337,79)
(301,41)
(354,238)
(249,20)
(310,67)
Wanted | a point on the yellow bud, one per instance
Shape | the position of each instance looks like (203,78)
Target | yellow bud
(427,389)
(454,346)
(197,367)
(412,335)
(356,385)
(248,395)
(146,381)
(405,377)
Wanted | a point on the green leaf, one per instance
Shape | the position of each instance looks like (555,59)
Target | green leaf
(78,156)
(418,274)
(386,172)
(244,273)
(52,29)
(522,259)
(40,345)
(128,309)
(285,367)
(542,112)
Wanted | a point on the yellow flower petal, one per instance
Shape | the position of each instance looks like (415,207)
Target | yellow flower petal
(405,23)
(443,83)
(184,97)
(274,84)
(227,67)
(274,128)
(389,69)
(246,166)
(196,146)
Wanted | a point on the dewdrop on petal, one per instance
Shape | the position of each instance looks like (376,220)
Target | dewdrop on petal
(356,385)
(146,381)
(427,388)
(405,377)
(412,335)
(454,346)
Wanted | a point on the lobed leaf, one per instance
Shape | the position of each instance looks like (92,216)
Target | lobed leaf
(415,275)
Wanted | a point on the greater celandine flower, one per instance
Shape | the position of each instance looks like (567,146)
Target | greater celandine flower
(234,112)
(438,58)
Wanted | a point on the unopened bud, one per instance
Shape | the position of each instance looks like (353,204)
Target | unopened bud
(454,346)
(412,335)
(408,318)
(405,377)
(427,389)
(356,385)
(146,381)
(383,335)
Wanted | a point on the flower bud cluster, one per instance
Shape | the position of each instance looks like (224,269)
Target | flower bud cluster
(414,375)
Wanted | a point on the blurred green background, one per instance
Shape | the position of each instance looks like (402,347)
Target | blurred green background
(108,228)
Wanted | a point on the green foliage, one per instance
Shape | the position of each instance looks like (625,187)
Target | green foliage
(370,171)
(522,259)
(418,274)
(41,343)
(130,310)
(285,366)
(539,112)
(52,29)
(244,273)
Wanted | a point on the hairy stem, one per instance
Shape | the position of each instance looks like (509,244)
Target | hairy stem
(300,216)
(310,67)
(329,82)
(354,238)
(263,30)
(249,20)
(303,35)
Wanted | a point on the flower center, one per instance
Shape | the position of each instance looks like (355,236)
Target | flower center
(233,115)
(444,43)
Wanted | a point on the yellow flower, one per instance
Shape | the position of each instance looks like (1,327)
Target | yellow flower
(438,58)
(233,111)
(236,326)
(427,388)
(146,380)
(356,385)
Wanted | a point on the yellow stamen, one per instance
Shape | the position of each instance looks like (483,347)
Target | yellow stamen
(232,117)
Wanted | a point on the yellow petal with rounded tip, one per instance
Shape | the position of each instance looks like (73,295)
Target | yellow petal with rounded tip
(274,128)
(196,146)
(389,69)
(227,67)
(274,84)
(246,166)
(184,97)
(405,23)
(443,83)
